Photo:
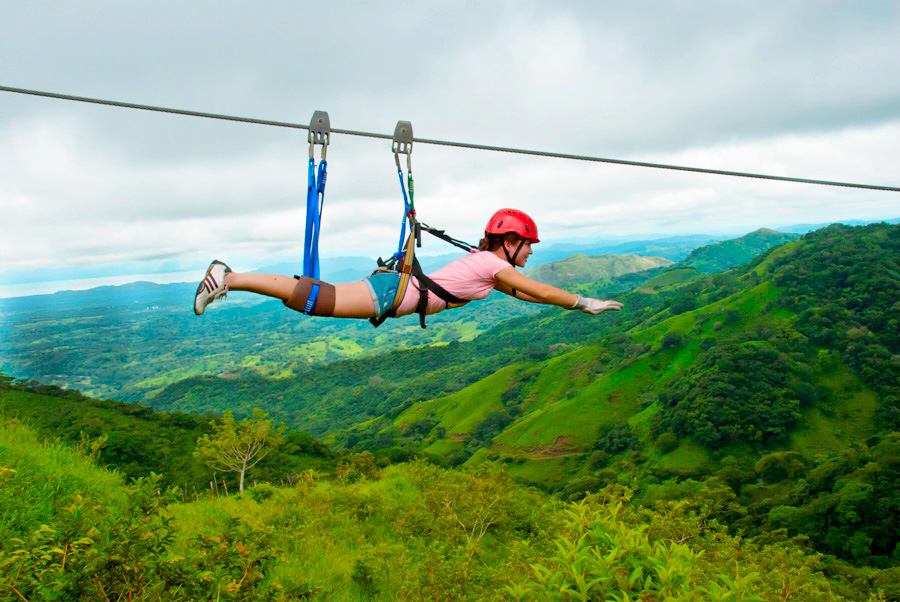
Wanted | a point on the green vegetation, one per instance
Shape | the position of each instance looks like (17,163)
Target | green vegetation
(734,435)
(582,269)
(411,531)
(239,446)
(729,253)
(138,441)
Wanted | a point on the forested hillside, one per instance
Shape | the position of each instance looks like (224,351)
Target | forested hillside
(131,341)
(721,256)
(137,441)
(759,375)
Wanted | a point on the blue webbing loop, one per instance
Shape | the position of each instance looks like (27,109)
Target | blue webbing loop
(407,209)
(315,199)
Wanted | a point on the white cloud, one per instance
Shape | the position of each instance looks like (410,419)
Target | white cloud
(792,88)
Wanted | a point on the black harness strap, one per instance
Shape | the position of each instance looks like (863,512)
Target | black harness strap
(424,283)
(446,238)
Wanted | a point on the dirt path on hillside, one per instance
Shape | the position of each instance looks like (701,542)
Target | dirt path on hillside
(562,447)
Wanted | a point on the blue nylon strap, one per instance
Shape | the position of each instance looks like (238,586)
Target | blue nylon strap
(406,209)
(310,305)
(315,197)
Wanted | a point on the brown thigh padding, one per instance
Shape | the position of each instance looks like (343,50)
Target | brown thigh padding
(324,305)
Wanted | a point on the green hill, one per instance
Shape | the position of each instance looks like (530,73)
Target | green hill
(791,358)
(137,441)
(752,325)
(729,253)
(581,269)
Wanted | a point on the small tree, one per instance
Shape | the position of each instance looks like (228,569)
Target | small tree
(239,446)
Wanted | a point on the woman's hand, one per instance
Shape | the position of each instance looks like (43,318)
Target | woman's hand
(596,306)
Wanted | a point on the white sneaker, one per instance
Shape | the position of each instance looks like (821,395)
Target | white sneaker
(212,287)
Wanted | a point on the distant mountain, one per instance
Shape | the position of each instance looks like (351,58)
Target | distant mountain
(805,228)
(674,248)
(581,269)
(332,269)
(729,253)
(134,295)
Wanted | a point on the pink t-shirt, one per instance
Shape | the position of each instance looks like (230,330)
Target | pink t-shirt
(470,277)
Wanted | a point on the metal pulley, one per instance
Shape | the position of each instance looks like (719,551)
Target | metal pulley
(319,132)
(403,143)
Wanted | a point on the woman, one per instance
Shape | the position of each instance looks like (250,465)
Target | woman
(506,245)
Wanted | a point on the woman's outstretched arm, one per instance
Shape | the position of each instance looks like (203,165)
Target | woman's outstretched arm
(526,289)
(511,282)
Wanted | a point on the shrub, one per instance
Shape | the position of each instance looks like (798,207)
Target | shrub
(672,340)
(666,443)
(262,492)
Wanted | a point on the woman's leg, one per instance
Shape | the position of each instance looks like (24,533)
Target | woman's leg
(351,300)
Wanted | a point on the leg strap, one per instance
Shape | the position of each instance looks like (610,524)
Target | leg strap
(312,297)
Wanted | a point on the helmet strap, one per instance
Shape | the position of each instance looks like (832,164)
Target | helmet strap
(512,259)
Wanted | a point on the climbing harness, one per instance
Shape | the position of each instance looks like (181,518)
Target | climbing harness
(314,297)
(404,261)
(319,133)
(310,290)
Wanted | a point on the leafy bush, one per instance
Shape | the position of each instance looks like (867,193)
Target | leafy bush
(617,439)
(262,492)
(666,442)
(601,557)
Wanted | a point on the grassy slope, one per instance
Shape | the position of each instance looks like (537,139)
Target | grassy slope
(37,478)
(574,398)
(459,412)
(581,269)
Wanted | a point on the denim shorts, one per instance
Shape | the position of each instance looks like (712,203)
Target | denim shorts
(383,287)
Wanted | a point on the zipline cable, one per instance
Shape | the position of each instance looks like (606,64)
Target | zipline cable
(484,147)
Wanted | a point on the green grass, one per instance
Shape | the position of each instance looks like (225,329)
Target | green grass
(688,458)
(460,412)
(606,400)
(848,419)
(38,478)
(546,471)
(444,447)
(670,280)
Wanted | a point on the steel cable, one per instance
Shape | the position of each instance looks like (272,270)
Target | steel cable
(484,147)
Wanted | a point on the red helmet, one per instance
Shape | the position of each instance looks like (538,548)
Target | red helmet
(512,220)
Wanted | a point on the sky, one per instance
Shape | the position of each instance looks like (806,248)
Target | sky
(796,88)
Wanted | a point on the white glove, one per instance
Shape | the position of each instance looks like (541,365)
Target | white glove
(595,306)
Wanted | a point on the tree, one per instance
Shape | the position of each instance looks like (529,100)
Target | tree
(239,446)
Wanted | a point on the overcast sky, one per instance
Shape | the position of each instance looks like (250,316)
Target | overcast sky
(808,89)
